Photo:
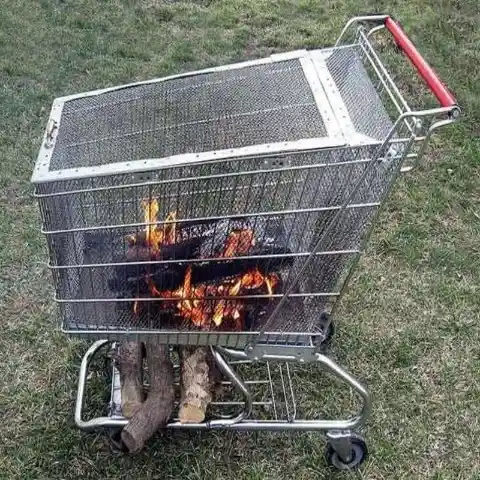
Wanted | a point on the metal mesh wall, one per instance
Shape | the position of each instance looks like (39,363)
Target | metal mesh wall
(360,95)
(288,200)
(301,196)
(200,113)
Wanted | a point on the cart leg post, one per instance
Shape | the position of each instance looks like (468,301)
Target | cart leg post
(99,422)
(230,373)
(339,372)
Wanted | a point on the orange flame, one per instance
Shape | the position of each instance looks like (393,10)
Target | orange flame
(155,235)
(136,307)
(199,310)
(191,302)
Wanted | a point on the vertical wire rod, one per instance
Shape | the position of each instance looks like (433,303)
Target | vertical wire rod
(342,208)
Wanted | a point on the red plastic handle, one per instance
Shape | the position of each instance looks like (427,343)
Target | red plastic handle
(438,88)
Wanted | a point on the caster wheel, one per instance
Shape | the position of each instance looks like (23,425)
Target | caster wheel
(328,326)
(358,455)
(115,443)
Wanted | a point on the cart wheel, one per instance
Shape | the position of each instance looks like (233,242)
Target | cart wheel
(358,454)
(115,443)
(324,341)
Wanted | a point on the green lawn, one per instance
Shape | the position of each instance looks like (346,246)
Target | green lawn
(409,326)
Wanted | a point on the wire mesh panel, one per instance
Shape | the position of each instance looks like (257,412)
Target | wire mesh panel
(204,251)
(220,110)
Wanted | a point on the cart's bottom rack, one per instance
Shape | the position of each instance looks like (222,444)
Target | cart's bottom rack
(253,395)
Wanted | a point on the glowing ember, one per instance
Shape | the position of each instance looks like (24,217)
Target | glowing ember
(136,307)
(239,242)
(198,309)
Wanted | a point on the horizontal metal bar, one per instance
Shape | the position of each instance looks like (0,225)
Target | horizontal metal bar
(147,164)
(179,299)
(180,261)
(274,213)
(247,382)
(406,140)
(244,425)
(237,340)
(205,177)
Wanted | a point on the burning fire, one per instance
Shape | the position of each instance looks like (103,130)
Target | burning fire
(155,235)
(239,242)
(193,305)
(203,304)
(249,281)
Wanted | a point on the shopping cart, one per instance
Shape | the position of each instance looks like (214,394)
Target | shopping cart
(292,155)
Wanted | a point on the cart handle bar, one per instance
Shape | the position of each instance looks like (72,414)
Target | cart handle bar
(438,88)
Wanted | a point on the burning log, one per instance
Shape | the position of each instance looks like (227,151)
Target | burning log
(198,378)
(170,277)
(206,306)
(129,361)
(202,293)
(139,252)
(155,412)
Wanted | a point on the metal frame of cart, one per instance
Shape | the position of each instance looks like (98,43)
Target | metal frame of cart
(398,146)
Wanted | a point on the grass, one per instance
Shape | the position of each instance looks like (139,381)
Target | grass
(408,327)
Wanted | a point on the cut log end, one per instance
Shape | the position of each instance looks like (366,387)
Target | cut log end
(197,383)
(191,414)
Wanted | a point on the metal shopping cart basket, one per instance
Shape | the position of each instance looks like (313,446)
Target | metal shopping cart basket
(274,168)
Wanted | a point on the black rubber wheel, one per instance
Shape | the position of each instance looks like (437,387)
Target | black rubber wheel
(115,443)
(358,455)
(329,334)
(323,342)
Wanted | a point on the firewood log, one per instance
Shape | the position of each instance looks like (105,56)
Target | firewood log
(171,276)
(155,412)
(197,379)
(129,361)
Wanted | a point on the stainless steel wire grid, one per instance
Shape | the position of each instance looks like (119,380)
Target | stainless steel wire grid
(300,149)
(228,207)
(271,386)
